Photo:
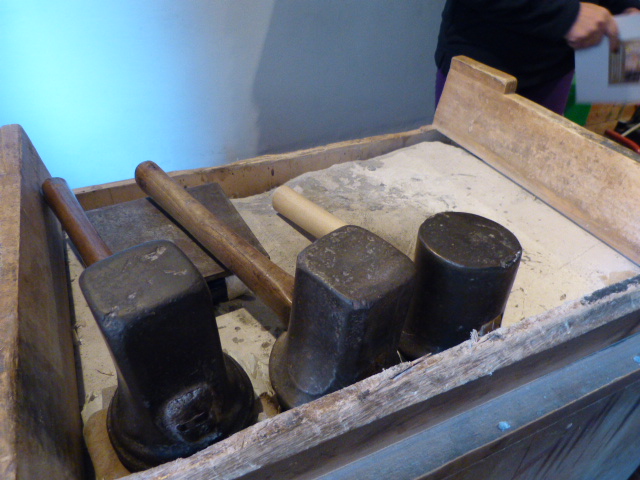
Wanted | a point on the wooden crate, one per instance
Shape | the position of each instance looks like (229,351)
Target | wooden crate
(555,396)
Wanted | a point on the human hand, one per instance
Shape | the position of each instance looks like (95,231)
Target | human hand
(632,10)
(591,25)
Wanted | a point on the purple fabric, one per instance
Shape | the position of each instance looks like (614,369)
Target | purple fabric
(440,79)
(552,95)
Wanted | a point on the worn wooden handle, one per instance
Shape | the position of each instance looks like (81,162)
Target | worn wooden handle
(267,280)
(304,213)
(74,220)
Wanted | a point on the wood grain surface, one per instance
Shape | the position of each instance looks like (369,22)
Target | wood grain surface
(257,175)
(590,179)
(40,427)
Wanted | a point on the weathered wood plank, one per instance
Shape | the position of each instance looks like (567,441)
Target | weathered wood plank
(588,178)
(575,423)
(9,247)
(257,175)
(40,430)
(598,442)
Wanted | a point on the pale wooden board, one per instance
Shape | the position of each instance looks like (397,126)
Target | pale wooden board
(9,243)
(590,179)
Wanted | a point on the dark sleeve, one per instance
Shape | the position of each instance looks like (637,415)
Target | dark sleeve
(549,19)
(618,6)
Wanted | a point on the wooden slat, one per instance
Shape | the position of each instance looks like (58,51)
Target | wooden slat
(257,175)
(40,428)
(9,247)
(582,416)
(598,441)
(588,178)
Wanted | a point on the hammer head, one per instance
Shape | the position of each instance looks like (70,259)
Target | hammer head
(466,267)
(177,392)
(352,291)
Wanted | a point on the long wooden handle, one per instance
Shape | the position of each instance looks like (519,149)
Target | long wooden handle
(267,280)
(74,220)
(304,213)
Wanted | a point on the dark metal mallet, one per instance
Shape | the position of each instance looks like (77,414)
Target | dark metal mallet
(177,391)
(466,265)
(344,313)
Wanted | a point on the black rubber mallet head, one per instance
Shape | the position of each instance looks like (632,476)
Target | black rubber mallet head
(177,391)
(345,308)
(466,265)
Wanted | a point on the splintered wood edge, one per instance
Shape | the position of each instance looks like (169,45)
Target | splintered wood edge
(260,174)
(588,178)
(306,430)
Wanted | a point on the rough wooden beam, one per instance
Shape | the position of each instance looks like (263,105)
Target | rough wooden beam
(257,175)
(40,428)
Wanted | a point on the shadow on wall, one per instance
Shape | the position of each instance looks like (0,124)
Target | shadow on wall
(333,70)
(101,86)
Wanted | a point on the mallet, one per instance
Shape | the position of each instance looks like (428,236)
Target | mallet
(466,266)
(177,391)
(344,309)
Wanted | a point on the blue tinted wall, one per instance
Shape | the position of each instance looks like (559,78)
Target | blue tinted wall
(102,86)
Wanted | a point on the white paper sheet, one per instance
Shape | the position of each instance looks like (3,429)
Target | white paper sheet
(593,83)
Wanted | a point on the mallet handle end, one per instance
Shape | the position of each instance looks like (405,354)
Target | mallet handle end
(310,217)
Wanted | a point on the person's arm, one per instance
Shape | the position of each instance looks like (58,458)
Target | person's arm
(621,6)
(549,19)
(594,22)
(581,24)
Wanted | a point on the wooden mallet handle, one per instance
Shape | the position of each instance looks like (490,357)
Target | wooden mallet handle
(304,213)
(266,279)
(74,220)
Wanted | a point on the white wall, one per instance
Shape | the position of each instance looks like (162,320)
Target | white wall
(102,86)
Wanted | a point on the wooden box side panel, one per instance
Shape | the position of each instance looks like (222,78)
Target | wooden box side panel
(596,441)
(40,428)
(578,422)
(9,247)
(591,180)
